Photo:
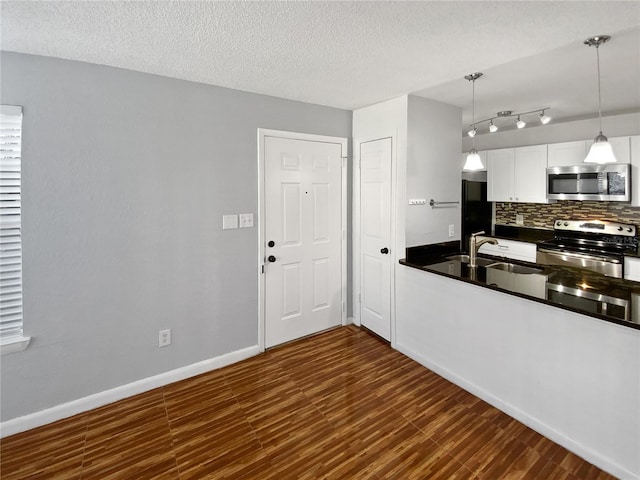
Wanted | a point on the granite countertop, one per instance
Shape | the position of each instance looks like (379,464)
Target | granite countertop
(568,288)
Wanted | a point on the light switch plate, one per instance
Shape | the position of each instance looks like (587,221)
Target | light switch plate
(229,222)
(452,230)
(246,220)
(519,219)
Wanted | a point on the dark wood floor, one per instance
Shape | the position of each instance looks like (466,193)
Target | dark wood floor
(340,405)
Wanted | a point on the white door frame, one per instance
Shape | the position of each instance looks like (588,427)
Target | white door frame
(395,255)
(262,133)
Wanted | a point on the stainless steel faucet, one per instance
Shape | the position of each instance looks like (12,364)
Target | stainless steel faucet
(474,245)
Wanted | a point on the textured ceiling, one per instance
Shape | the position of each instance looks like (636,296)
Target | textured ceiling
(348,54)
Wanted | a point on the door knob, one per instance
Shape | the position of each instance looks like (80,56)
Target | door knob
(271,243)
(271,258)
(384,250)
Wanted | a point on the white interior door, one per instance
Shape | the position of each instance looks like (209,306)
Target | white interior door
(303,237)
(375,236)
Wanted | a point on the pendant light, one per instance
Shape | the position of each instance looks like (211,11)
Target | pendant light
(600,151)
(473,161)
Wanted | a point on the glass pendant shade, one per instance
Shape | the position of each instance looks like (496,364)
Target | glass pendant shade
(473,161)
(600,151)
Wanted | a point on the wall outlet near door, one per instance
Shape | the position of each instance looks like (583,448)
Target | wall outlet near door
(452,230)
(246,220)
(164,338)
(519,219)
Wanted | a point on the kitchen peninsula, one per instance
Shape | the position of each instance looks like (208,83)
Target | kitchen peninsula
(570,376)
(614,300)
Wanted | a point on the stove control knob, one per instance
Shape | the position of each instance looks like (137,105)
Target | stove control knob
(619,229)
(558,224)
(566,224)
(629,229)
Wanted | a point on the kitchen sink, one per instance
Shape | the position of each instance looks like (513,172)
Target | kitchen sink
(480,262)
(504,266)
(513,268)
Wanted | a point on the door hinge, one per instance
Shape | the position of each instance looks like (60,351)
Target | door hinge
(344,161)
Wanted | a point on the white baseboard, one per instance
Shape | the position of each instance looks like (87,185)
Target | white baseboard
(591,456)
(37,419)
(350,321)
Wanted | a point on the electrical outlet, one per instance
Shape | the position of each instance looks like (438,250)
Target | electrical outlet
(519,219)
(246,220)
(164,338)
(452,231)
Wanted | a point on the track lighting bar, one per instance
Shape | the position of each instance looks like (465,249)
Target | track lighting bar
(542,116)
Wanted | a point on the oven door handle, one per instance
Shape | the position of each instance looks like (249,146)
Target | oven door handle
(560,253)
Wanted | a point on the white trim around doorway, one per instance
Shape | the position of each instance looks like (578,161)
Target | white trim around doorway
(355,216)
(262,133)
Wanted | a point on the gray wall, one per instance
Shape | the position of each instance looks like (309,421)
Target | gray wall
(433,170)
(126,177)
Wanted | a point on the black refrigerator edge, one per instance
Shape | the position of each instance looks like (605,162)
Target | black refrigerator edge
(477,212)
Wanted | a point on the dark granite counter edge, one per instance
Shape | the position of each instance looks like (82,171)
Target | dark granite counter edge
(425,268)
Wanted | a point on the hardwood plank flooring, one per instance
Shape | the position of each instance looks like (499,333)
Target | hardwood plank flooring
(339,405)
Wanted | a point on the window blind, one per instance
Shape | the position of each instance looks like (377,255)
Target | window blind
(10,224)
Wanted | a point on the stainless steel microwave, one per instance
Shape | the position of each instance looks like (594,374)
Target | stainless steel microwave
(607,182)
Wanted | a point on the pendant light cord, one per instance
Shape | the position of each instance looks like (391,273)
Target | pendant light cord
(599,94)
(473,112)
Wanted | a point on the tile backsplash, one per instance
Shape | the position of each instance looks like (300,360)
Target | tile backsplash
(542,215)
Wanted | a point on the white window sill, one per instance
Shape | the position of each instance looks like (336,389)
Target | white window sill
(14,345)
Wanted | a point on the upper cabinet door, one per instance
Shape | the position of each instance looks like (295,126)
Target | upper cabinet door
(635,170)
(567,153)
(500,175)
(621,149)
(530,174)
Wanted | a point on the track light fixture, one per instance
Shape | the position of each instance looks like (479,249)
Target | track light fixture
(544,119)
(600,151)
(473,161)
(493,128)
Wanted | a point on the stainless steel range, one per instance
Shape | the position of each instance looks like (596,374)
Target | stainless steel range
(594,245)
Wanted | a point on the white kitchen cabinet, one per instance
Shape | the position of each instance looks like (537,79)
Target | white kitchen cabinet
(517,174)
(500,175)
(514,249)
(632,268)
(634,148)
(566,153)
(530,174)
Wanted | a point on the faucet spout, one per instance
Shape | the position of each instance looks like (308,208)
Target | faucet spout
(475,244)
